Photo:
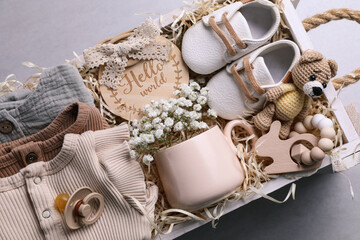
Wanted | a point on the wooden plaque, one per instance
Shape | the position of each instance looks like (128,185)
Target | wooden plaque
(145,81)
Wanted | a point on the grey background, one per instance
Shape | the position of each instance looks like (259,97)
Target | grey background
(46,33)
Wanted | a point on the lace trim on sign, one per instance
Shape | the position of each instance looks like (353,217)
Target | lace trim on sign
(141,45)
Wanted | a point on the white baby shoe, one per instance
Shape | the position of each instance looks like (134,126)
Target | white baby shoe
(228,34)
(238,90)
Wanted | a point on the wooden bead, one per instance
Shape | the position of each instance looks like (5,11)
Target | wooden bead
(317,154)
(328,132)
(293,134)
(316,119)
(60,201)
(325,144)
(307,122)
(325,123)
(296,152)
(299,128)
(306,158)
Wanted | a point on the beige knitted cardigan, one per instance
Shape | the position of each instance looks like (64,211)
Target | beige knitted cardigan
(99,160)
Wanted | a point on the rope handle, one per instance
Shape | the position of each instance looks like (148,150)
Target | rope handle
(331,15)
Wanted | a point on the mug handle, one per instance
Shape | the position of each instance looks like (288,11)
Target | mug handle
(245,125)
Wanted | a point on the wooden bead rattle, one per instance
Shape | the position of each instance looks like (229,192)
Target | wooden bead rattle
(302,154)
(79,207)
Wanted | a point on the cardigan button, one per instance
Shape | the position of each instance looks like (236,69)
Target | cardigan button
(46,213)
(31,158)
(6,127)
(37,180)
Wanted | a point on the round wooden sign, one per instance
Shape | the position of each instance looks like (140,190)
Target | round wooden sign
(145,81)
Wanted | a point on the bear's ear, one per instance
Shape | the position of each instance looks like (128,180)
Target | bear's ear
(333,66)
(310,56)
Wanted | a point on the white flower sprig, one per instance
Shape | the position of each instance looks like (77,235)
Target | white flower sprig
(187,114)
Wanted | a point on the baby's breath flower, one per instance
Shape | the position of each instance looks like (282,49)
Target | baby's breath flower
(153,113)
(169,122)
(194,125)
(202,100)
(211,113)
(181,101)
(185,90)
(159,133)
(134,123)
(135,132)
(192,115)
(174,107)
(195,86)
(144,120)
(147,159)
(156,121)
(134,154)
(155,104)
(132,143)
(203,125)
(163,118)
(177,92)
(136,141)
(164,115)
(188,103)
(148,138)
(172,101)
(193,96)
(145,108)
(179,126)
(147,126)
(166,107)
(197,107)
(204,91)
(159,126)
(179,111)
(198,115)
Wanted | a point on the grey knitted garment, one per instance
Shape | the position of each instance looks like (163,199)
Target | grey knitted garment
(24,112)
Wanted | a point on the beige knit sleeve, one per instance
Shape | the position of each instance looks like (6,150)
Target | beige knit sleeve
(125,173)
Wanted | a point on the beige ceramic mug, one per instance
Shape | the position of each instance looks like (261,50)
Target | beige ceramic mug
(202,170)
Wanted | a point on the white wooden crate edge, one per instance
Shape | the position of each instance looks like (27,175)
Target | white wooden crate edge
(346,158)
(352,138)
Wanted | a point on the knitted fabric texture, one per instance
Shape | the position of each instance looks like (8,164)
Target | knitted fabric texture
(264,119)
(313,63)
(46,144)
(275,93)
(99,160)
(31,111)
(291,102)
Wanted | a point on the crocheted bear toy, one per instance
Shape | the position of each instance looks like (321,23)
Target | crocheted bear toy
(288,101)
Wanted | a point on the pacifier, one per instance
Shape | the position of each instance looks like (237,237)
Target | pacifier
(83,207)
